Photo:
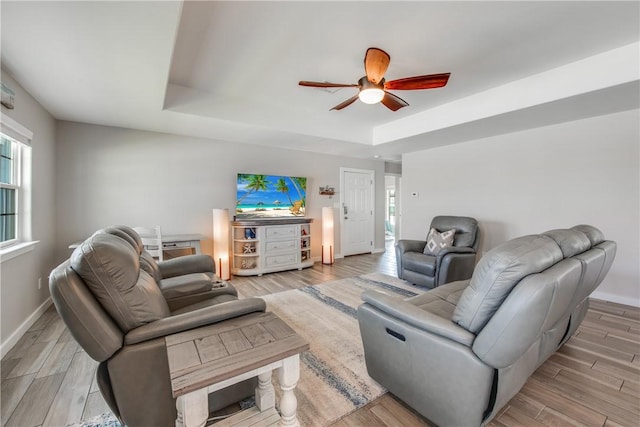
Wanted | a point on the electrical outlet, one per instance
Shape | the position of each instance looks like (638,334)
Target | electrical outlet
(39,283)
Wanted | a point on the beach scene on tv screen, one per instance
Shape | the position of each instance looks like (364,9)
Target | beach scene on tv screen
(270,196)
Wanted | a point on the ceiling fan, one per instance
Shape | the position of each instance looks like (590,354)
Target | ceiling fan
(373,87)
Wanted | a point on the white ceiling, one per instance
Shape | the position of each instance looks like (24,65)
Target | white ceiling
(229,70)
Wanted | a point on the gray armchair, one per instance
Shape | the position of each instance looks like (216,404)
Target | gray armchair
(450,264)
(118,314)
(458,353)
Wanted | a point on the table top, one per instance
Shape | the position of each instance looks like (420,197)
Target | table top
(211,354)
(181,237)
(166,238)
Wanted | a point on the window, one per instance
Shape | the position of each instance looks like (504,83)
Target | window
(15,187)
(9,189)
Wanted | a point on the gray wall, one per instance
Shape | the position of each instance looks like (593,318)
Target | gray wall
(19,292)
(558,176)
(110,175)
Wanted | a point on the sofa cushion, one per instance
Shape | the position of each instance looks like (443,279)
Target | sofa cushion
(148,264)
(595,236)
(186,284)
(420,263)
(118,230)
(498,272)
(466,228)
(110,268)
(571,242)
(436,241)
(441,300)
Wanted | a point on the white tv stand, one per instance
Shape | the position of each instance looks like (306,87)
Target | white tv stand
(269,245)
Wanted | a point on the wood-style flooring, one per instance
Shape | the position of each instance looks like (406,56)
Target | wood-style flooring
(593,380)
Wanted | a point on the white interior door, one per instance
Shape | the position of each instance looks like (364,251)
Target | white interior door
(356,219)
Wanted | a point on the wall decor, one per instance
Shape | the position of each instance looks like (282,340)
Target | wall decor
(327,191)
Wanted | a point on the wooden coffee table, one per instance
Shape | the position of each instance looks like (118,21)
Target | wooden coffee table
(213,357)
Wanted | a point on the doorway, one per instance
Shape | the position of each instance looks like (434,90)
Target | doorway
(356,210)
(392,208)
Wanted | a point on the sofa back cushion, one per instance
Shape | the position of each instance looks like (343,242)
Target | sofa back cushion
(571,242)
(498,272)
(150,265)
(120,231)
(110,268)
(466,228)
(537,305)
(593,234)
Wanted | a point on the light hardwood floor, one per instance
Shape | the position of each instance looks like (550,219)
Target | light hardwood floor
(593,380)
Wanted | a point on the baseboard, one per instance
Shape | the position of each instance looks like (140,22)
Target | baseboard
(615,298)
(378,251)
(10,342)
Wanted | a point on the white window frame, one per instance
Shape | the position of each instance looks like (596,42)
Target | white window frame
(23,136)
(15,184)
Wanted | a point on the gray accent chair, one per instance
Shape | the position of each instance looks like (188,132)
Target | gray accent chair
(119,315)
(451,264)
(458,353)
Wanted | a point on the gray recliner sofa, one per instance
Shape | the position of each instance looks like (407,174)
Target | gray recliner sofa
(119,315)
(184,280)
(458,353)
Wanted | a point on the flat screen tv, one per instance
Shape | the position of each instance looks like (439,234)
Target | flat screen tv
(270,196)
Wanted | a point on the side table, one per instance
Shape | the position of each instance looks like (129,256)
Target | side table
(213,357)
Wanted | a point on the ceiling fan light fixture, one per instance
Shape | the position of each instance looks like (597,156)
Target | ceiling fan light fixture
(371,96)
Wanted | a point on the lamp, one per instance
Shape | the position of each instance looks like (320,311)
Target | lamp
(370,93)
(221,243)
(327,235)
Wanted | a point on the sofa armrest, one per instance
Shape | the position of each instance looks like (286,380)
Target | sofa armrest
(407,245)
(417,317)
(194,319)
(186,265)
(455,250)
(453,264)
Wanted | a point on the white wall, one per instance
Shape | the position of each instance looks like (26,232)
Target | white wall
(581,172)
(110,175)
(19,293)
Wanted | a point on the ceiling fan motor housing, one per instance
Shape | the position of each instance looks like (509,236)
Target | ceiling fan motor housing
(370,93)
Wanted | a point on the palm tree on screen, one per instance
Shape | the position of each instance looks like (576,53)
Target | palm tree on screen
(298,184)
(281,186)
(254,183)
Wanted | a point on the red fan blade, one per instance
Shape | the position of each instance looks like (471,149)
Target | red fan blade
(376,62)
(345,103)
(431,81)
(325,84)
(392,102)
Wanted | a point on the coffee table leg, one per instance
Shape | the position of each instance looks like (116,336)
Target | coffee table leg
(288,376)
(265,394)
(193,409)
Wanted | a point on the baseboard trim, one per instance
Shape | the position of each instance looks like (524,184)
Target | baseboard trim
(615,298)
(10,342)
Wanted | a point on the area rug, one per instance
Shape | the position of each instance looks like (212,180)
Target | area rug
(333,376)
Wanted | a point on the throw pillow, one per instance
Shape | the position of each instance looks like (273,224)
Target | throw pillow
(437,241)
